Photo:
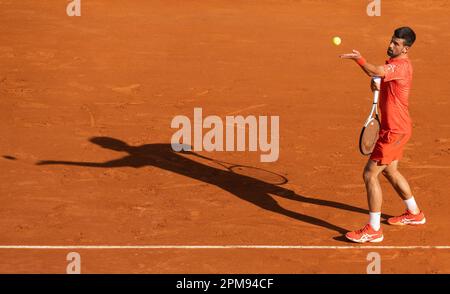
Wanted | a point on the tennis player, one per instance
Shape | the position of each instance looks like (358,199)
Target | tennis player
(396,77)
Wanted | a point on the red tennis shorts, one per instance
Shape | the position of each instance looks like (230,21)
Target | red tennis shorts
(389,147)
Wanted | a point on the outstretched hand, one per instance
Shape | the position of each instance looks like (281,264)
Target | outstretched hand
(355,55)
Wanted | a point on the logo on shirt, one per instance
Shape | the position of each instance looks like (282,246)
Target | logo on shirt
(390,67)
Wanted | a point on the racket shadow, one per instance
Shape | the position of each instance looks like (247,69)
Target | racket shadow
(246,188)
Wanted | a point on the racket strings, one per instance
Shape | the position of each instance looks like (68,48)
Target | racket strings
(369,137)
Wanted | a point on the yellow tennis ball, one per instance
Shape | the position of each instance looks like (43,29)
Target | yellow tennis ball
(337,41)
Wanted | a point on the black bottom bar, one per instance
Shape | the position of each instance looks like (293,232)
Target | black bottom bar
(222,283)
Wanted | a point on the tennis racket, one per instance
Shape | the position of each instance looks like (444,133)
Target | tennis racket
(370,131)
(248,171)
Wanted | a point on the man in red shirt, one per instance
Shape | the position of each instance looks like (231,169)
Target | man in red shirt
(395,131)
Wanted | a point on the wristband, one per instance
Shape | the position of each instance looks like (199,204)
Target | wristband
(361,61)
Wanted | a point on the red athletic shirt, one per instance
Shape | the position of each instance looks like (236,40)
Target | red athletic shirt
(394,92)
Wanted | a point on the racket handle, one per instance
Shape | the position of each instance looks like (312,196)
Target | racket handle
(376,79)
(376,93)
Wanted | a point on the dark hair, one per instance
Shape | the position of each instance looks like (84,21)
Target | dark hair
(407,34)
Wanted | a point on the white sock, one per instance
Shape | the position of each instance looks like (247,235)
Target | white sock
(374,220)
(412,205)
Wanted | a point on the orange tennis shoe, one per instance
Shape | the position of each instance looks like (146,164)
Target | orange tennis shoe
(366,234)
(408,219)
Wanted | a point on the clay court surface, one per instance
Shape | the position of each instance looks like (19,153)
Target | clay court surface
(124,69)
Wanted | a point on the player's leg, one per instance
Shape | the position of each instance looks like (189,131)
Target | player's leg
(371,232)
(413,214)
(397,181)
(374,195)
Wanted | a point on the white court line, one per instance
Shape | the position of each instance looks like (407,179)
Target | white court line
(218,247)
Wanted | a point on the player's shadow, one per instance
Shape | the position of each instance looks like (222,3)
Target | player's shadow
(244,187)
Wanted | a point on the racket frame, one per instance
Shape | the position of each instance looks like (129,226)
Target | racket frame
(373,111)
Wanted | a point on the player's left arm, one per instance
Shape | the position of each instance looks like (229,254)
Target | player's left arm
(370,69)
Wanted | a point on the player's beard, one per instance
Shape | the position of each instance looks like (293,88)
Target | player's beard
(391,54)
